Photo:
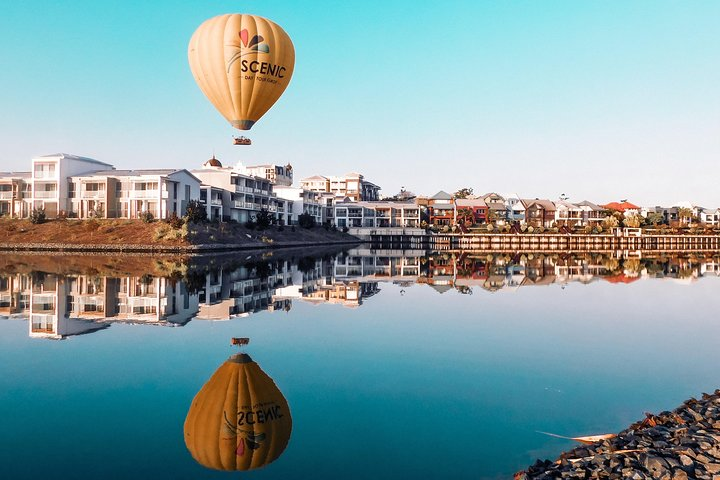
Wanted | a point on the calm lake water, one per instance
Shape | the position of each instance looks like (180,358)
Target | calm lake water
(393,364)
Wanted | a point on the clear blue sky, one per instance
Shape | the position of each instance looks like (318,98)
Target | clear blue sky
(598,100)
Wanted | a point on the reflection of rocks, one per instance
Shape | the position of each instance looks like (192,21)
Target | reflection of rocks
(682,444)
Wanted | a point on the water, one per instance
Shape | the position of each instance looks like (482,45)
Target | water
(394,365)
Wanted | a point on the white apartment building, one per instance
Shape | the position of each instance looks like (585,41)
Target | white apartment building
(352,185)
(303,201)
(243,196)
(15,193)
(277,174)
(377,215)
(50,180)
(129,193)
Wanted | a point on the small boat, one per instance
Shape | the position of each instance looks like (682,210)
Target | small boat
(239,341)
(242,141)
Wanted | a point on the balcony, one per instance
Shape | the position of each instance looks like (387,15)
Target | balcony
(46,193)
(242,189)
(245,205)
(143,194)
(216,201)
(6,195)
(93,194)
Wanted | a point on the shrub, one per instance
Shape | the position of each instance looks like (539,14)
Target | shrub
(37,216)
(146,217)
(306,220)
(195,212)
(264,219)
(250,224)
(174,221)
(345,229)
(292,228)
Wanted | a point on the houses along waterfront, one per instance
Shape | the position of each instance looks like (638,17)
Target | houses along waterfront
(79,187)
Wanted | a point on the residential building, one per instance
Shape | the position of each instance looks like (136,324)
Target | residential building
(514,209)
(568,214)
(15,193)
(130,193)
(51,179)
(497,209)
(592,214)
(624,207)
(243,196)
(377,215)
(302,202)
(276,174)
(352,185)
(441,209)
(473,210)
(709,217)
(539,213)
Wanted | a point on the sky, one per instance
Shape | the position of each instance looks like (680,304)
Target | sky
(595,100)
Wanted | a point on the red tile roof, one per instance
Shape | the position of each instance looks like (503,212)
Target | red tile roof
(621,206)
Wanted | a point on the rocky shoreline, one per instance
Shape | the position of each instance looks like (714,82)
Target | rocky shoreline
(682,444)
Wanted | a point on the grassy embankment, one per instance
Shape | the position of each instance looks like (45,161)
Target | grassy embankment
(123,232)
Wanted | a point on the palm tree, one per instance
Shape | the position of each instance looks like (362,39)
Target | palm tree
(684,214)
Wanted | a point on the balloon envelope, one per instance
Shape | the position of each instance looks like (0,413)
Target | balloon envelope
(239,420)
(242,63)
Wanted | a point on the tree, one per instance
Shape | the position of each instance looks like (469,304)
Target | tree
(610,222)
(264,219)
(37,215)
(195,212)
(465,216)
(685,215)
(633,221)
(305,220)
(654,218)
(463,193)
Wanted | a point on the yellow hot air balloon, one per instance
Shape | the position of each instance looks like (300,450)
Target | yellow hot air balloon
(239,420)
(242,63)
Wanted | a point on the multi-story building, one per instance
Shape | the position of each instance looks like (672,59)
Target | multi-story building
(276,174)
(568,214)
(539,213)
(51,179)
(377,215)
(441,208)
(239,196)
(15,193)
(352,186)
(130,193)
(300,201)
(592,214)
(472,210)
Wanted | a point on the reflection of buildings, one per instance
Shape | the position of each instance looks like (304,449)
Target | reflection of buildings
(61,306)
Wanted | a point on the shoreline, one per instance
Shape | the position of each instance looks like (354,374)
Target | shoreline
(682,444)
(162,249)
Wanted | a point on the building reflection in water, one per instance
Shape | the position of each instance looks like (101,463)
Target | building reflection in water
(58,306)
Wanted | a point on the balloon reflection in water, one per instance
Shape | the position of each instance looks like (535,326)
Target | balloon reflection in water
(239,420)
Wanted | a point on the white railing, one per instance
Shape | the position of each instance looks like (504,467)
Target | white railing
(242,189)
(46,194)
(6,195)
(216,201)
(93,194)
(245,205)
(143,193)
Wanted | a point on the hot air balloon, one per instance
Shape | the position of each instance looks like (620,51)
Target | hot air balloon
(239,420)
(242,63)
